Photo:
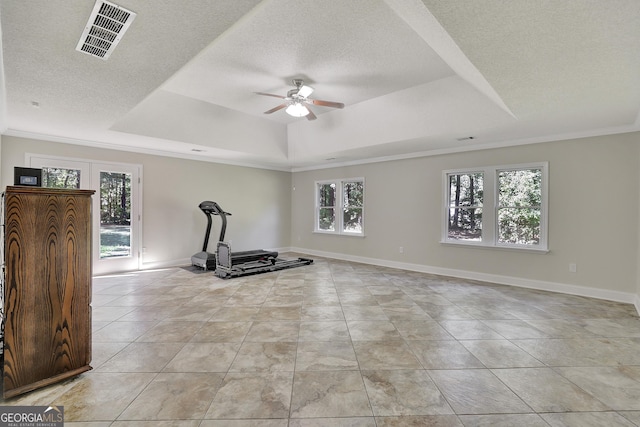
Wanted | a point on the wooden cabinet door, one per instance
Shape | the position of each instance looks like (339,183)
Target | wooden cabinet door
(47,291)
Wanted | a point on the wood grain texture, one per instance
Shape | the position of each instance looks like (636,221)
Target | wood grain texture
(47,286)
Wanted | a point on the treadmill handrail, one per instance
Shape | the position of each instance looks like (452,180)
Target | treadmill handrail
(212,208)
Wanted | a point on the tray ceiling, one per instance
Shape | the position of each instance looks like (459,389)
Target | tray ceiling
(416,77)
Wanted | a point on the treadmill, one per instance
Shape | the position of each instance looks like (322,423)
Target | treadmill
(207,260)
(226,268)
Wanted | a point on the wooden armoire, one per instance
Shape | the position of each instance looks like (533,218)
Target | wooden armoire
(47,287)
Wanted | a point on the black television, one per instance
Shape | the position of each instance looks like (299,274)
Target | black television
(27,176)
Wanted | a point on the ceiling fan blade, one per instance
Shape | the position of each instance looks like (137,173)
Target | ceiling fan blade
(270,94)
(310,116)
(274,109)
(326,103)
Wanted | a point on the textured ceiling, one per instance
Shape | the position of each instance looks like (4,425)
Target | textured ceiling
(415,76)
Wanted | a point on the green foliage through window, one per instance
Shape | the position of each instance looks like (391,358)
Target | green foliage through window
(60,178)
(115,214)
(327,196)
(352,206)
(519,206)
(340,206)
(497,206)
(466,193)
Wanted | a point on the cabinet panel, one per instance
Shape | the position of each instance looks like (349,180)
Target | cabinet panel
(47,328)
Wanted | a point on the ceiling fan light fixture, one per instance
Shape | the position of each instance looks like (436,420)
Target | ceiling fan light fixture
(305,91)
(297,110)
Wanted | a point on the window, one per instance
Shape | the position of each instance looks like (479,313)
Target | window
(340,206)
(499,206)
(465,206)
(60,178)
(519,206)
(115,214)
(326,207)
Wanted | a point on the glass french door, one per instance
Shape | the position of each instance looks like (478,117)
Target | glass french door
(116,206)
(116,226)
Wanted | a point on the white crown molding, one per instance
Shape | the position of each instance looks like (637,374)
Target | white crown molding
(477,147)
(474,147)
(134,149)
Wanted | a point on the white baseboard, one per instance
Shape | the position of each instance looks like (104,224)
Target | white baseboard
(564,288)
(165,264)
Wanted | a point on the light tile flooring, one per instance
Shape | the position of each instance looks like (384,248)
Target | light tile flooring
(344,344)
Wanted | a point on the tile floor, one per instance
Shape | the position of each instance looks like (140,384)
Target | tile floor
(344,344)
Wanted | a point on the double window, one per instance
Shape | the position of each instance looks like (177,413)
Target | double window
(340,206)
(503,206)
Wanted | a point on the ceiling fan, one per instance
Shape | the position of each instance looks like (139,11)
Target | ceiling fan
(294,102)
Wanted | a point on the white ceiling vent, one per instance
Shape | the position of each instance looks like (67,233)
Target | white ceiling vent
(106,26)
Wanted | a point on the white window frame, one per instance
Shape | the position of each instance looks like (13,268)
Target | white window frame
(490,207)
(338,208)
(89,179)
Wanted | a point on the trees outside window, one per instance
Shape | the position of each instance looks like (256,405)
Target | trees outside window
(340,206)
(327,206)
(60,177)
(115,214)
(465,206)
(352,206)
(502,206)
(519,206)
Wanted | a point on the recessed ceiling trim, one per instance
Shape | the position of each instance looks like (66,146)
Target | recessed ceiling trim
(106,25)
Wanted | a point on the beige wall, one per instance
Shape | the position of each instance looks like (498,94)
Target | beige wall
(594,210)
(593,216)
(173,226)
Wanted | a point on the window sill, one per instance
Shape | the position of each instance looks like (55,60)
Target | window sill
(498,247)
(335,233)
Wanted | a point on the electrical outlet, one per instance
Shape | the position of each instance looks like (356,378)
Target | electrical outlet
(573,267)
(401,249)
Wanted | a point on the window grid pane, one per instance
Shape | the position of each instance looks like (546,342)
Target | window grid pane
(519,206)
(352,220)
(352,202)
(465,197)
(327,195)
(519,226)
(353,194)
(517,188)
(326,206)
(115,215)
(326,219)
(465,224)
(466,189)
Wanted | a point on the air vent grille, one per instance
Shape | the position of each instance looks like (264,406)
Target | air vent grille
(104,30)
